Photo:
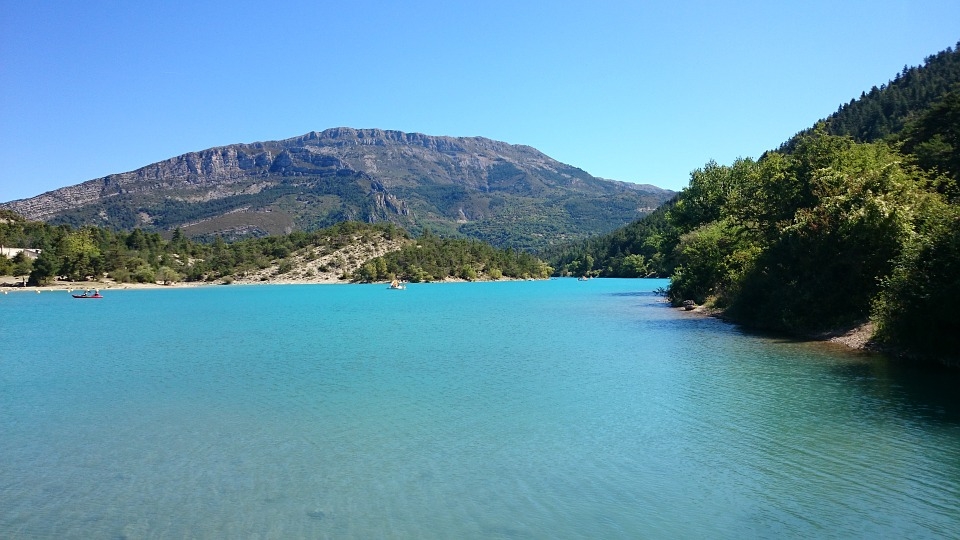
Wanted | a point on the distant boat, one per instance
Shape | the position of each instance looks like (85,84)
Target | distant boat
(86,294)
(398,285)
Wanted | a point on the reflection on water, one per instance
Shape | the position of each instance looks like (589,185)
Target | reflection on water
(559,409)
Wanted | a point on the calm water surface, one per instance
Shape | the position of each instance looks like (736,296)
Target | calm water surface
(551,409)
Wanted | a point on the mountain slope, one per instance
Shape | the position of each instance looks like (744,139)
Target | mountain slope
(883,112)
(509,195)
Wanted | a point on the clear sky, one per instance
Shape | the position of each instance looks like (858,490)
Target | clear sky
(642,91)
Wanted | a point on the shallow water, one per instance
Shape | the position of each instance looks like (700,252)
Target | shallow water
(549,409)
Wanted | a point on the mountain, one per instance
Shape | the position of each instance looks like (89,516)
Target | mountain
(508,195)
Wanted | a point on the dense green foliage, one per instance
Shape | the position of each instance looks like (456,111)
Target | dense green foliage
(89,253)
(821,238)
(799,241)
(934,140)
(641,249)
(917,307)
(433,258)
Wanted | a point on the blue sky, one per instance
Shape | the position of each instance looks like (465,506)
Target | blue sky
(636,91)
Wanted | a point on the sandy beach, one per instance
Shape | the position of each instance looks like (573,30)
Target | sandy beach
(9,285)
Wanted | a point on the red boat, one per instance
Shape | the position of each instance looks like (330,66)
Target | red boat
(87,294)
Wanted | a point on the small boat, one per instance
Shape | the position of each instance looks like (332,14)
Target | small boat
(86,294)
(398,285)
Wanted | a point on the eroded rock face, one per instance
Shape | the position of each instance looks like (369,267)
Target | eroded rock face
(370,174)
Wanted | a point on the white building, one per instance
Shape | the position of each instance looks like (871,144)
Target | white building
(10,252)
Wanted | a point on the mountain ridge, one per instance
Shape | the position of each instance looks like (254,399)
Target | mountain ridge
(472,186)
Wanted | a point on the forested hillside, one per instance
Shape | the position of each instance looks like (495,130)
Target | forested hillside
(430,258)
(829,231)
(641,249)
(885,110)
(349,251)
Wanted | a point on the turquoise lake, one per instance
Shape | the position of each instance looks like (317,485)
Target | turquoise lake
(544,409)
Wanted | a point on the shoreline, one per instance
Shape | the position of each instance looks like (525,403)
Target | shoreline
(857,338)
(74,286)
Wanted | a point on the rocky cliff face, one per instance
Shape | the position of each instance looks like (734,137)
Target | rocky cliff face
(507,194)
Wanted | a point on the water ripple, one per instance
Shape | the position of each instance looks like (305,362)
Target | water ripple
(557,409)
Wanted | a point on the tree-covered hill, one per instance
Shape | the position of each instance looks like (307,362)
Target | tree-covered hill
(826,233)
(884,111)
(430,258)
(350,251)
(640,249)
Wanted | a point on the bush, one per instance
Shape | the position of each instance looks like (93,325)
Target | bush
(121,275)
(168,275)
(144,274)
(917,308)
(468,273)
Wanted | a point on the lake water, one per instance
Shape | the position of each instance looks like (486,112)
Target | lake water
(547,409)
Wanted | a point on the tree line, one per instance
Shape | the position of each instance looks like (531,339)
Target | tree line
(92,253)
(432,258)
(884,111)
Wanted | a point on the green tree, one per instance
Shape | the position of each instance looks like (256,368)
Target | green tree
(916,310)
(824,267)
(934,138)
(167,275)
(703,201)
(710,262)
(368,272)
(79,255)
(45,268)
(143,274)
(468,272)
(22,265)
(634,266)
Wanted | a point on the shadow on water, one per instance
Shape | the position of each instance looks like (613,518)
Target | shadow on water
(922,390)
(925,392)
(636,293)
(928,392)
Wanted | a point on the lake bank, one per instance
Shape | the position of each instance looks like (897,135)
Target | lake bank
(7,285)
(858,337)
